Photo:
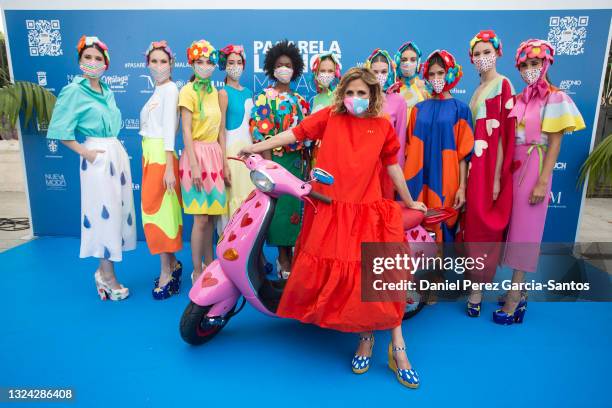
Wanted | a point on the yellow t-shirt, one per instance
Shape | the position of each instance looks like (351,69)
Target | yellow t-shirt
(204,129)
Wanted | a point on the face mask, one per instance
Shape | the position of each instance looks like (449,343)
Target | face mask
(160,74)
(203,71)
(382,79)
(486,63)
(234,72)
(531,75)
(93,70)
(408,68)
(356,106)
(283,74)
(325,79)
(437,84)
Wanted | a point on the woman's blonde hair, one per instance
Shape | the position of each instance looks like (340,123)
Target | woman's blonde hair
(367,76)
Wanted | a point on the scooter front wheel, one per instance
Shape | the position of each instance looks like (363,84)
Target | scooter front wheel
(197,328)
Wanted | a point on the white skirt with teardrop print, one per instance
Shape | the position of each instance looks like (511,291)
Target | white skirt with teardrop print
(108,223)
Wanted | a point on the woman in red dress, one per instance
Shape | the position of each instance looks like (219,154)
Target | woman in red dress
(325,283)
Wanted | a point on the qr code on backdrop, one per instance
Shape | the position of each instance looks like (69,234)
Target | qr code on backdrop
(44,38)
(568,34)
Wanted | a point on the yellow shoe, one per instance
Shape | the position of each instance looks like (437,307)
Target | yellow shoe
(406,377)
(361,364)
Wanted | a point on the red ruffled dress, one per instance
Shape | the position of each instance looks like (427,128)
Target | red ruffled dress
(324,287)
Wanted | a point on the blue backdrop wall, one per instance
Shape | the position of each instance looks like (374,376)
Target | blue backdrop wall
(43,50)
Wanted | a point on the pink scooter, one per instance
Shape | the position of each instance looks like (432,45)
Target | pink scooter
(241,268)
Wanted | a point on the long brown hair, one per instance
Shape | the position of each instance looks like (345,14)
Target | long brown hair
(367,76)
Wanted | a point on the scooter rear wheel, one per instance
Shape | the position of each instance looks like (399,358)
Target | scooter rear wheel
(195,327)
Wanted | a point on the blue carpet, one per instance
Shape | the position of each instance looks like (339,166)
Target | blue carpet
(54,331)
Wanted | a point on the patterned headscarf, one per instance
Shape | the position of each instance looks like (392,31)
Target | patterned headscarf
(530,102)
(86,41)
(392,84)
(454,72)
(398,60)
(225,52)
(315,69)
(486,36)
(160,45)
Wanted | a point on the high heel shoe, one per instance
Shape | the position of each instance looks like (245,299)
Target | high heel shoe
(105,291)
(473,309)
(517,316)
(172,287)
(407,377)
(361,364)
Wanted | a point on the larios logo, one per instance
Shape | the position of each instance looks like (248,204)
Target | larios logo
(568,85)
(308,49)
(55,181)
(130,124)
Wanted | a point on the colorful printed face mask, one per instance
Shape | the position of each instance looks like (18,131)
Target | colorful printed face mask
(382,79)
(93,70)
(160,74)
(325,79)
(531,75)
(437,84)
(355,105)
(485,63)
(408,68)
(234,72)
(283,74)
(204,71)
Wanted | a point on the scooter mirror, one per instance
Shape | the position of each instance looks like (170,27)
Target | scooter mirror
(322,176)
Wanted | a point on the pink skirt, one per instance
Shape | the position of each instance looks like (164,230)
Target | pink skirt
(211,199)
(527,220)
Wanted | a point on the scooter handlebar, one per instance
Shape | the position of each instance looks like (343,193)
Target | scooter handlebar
(320,197)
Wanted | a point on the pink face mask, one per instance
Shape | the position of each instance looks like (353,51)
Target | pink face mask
(355,105)
(531,75)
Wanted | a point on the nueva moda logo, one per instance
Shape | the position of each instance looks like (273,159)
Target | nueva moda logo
(44,38)
(55,181)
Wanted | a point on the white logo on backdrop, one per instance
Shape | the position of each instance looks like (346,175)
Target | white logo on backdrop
(117,83)
(150,84)
(568,34)
(55,181)
(556,200)
(569,85)
(130,124)
(44,38)
(52,145)
(42,78)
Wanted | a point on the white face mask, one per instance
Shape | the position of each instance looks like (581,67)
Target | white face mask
(283,74)
(382,79)
(160,74)
(486,63)
(325,79)
(203,71)
(234,72)
(408,68)
(437,84)
(531,75)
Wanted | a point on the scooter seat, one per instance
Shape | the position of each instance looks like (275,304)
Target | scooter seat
(412,218)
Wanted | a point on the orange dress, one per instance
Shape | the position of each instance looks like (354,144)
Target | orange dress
(324,287)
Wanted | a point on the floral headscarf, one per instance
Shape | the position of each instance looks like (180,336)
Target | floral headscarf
(225,52)
(392,84)
(202,48)
(530,102)
(315,70)
(160,45)
(486,36)
(86,41)
(398,60)
(454,72)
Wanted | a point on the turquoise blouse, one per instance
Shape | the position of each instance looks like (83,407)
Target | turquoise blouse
(84,111)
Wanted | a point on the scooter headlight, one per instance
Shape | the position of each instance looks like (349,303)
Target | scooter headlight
(262,181)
